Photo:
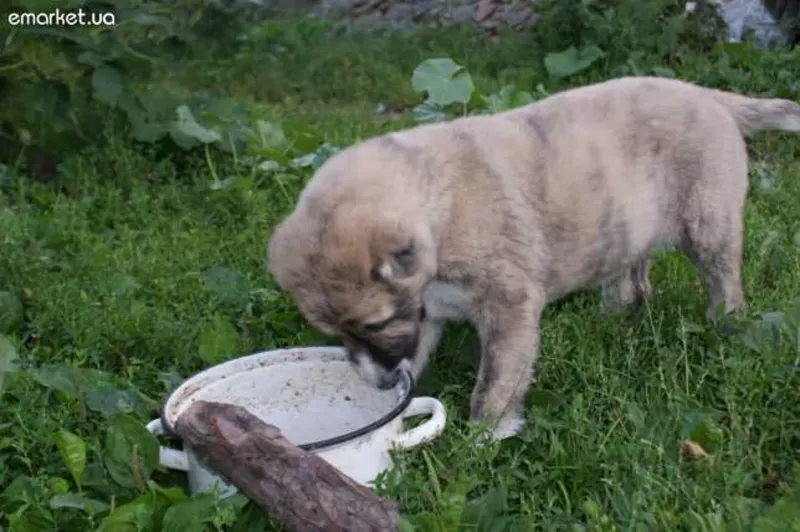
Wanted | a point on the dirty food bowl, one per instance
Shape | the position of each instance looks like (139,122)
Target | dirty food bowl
(318,402)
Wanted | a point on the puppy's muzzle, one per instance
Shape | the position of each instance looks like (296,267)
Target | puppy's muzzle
(388,380)
(382,366)
(394,361)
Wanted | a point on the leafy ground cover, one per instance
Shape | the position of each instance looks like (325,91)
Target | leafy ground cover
(141,262)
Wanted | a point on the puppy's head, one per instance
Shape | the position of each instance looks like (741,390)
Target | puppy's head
(356,268)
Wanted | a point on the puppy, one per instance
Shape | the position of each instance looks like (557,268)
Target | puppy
(489,218)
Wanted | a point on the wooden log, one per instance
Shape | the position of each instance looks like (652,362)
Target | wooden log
(298,488)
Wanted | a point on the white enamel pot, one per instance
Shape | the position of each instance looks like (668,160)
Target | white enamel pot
(318,402)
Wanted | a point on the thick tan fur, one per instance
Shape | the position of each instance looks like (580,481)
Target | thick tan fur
(489,218)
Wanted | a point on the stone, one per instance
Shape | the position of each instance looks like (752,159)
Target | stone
(461,14)
(413,14)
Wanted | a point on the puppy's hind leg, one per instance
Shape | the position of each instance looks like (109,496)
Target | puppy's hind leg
(510,336)
(716,251)
(633,286)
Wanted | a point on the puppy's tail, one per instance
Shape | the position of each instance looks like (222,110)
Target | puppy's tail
(760,114)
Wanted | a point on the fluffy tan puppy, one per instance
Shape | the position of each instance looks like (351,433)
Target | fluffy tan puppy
(489,218)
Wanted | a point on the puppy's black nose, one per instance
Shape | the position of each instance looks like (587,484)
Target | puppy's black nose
(389,380)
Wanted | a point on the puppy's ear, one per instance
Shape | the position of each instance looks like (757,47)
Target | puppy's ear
(398,265)
(284,260)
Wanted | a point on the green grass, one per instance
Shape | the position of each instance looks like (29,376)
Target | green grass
(112,264)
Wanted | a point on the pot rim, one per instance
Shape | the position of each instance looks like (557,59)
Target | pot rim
(406,383)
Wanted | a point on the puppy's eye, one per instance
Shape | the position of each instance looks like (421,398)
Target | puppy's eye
(405,253)
(405,257)
(376,326)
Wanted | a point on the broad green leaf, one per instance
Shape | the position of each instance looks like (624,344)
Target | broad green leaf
(135,516)
(72,450)
(92,58)
(144,513)
(508,97)
(58,377)
(235,139)
(189,516)
(404,525)
(8,359)
(79,502)
(323,152)
(21,490)
(271,135)
(269,166)
(222,184)
(227,285)
(305,139)
(10,311)
(520,98)
(35,519)
(230,509)
(57,485)
(428,112)
(304,161)
(108,84)
(109,400)
(187,126)
(171,381)
(485,512)
(170,496)
(110,394)
(571,61)
(130,452)
(444,80)
(592,510)
(663,72)
(158,104)
(500,100)
(147,131)
(251,518)
(764,334)
(219,342)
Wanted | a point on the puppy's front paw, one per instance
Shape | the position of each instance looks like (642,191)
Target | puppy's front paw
(506,428)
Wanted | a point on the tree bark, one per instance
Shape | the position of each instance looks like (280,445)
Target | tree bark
(299,489)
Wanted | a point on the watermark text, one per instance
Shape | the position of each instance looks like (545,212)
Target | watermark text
(59,17)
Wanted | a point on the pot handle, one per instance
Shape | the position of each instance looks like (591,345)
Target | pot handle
(428,430)
(169,458)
